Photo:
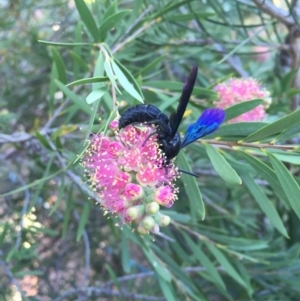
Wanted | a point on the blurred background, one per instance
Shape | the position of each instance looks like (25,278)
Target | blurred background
(55,243)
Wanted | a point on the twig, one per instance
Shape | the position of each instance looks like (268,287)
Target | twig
(141,16)
(272,10)
(233,61)
(134,35)
(231,144)
(106,292)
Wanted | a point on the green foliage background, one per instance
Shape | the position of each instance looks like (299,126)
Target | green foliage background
(235,231)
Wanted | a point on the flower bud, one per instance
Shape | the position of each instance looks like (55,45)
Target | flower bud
(164,196)
(135,212)
(148,222)
(152,208)
(114,125)
(142,230)
(161,219)
(133,192)
(155,229)
(115,148)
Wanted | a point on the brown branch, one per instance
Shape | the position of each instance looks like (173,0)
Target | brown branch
(272,10)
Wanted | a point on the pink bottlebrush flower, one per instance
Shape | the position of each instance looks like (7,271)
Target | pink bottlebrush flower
(165,196)
(236,90)
(126,169)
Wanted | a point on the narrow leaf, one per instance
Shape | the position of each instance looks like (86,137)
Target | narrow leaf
(265,204)
(99,71)
(75,98)
(88,80)
(228,267)
(79,62)
(275,127)
(221,166)
(83,220)
(161,270)
(268,174)
(239,130)
(241,108)
(124,82)
(88,19)
(188,17)
(95,95)
(288,183)
(111,22)
(289,132)
(60,66)
(192,189)
(110,74)
(130,77)
(125,255)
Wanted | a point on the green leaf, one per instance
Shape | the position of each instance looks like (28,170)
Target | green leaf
(64,44)
(228,267)
(124,82)
(169,7)
(130,77)
(77,53)
(95,95)
(237,130)
(125,255)
(177,87)
(111,22)
(64,130)
(110,74)
(43,140)
(99,71)
(4,231)
(52,88)
(79,62)
(151,65)
(88,19)
(267,173)
(265,204)
(275,127)
(161,270)
(76,99)
(241,108)
(88,80)
(207,263)
(288,133)
(188,17)
(286,81)
(67,213)
(221,166)
(83,220)
(192,189)
(288,183)
(167,289)
(113,276)
(288,157)
(110,10)
(60,66)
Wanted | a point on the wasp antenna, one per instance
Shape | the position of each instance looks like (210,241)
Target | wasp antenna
(188,173)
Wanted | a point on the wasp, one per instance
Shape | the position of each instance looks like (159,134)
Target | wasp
(167,127)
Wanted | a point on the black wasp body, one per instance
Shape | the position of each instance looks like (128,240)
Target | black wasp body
(166,128)
(170,144)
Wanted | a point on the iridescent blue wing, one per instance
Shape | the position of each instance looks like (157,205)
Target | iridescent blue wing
(208,122)
(175,118)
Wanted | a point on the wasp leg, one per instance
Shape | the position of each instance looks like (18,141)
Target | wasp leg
(153,133)
(188,173)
